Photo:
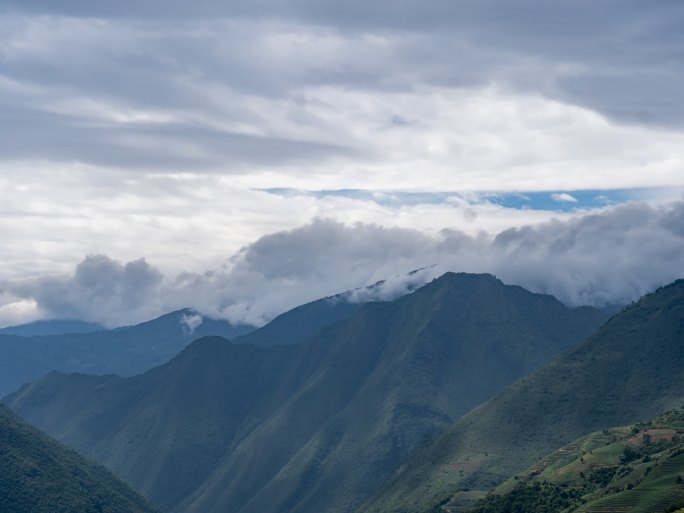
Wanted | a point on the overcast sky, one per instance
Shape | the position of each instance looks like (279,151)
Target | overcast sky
(244,157)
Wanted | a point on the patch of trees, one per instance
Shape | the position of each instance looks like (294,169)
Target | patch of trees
(538,497)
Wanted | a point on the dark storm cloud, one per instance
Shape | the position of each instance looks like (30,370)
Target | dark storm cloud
(171,148)
(147,96)
(607,258)
(619,58)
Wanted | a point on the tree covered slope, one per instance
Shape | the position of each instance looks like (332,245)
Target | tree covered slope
(39,475)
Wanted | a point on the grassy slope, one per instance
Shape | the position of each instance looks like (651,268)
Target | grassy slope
(631,369)
(632,469)
(38,475)
(312,427)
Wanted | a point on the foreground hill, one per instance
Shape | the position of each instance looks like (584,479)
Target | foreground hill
(38,475)
(632,369)
(311,427)
(124,351)
(631,469)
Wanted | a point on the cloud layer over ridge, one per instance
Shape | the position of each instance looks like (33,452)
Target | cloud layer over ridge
(604,258)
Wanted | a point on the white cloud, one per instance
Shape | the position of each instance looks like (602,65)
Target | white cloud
(14,311)
(151,130)
(190,322)
(289,103)
(563,197)
(605,257)
(186,221)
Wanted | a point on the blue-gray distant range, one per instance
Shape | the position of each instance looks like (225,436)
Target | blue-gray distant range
(30,351)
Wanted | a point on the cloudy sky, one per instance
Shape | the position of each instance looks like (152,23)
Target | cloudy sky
(244,157)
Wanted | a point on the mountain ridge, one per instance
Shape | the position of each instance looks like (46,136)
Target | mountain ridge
(52,327)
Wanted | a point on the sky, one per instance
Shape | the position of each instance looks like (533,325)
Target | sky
(242,158)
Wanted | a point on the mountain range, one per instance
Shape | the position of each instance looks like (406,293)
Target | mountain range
(52,327)
(125,351)
(29,351)
(311,426)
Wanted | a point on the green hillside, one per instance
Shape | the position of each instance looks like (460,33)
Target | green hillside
(631,369)
(632,469)
(311,427)
(38,475)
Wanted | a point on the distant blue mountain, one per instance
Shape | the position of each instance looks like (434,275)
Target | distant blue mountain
(30,351)
(52,327)
(124,351)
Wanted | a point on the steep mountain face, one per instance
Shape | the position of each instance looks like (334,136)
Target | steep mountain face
(311,427)
(124,351)
(630,370)
(39,475)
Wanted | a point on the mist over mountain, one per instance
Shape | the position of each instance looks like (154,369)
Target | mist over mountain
(313,426)
(631,370)
(39,475)
(580,259)
(302,322)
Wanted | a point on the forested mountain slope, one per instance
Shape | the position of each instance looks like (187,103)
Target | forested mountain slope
(39,475)
(632,369)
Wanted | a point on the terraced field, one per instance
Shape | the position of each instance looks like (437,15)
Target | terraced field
(630,469)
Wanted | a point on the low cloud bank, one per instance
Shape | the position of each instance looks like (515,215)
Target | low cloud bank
(605,258)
